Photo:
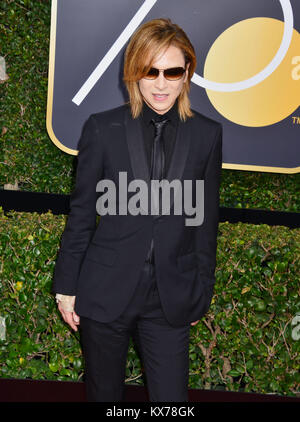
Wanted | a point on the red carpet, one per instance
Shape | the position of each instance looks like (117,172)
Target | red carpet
(13,390)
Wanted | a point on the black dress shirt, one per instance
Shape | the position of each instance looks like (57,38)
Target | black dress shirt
(169,133)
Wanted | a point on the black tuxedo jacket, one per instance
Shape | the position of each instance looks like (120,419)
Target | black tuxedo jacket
(101,263)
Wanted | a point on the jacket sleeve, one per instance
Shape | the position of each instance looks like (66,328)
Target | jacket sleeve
(81,223)
(206,233)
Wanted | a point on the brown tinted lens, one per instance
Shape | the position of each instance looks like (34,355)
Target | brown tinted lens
(171,74)
(152,74)
(174,73)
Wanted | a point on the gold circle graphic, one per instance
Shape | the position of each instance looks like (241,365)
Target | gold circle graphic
(239,53)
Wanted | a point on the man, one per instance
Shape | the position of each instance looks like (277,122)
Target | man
(149,276)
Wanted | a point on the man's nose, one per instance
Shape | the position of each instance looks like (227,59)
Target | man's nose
(160,81)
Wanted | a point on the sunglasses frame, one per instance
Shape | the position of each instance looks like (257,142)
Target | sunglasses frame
(163,70)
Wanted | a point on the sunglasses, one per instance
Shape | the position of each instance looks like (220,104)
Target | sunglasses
(172,74)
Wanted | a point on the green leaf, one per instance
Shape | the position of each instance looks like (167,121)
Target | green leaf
(233,373)
(53,367)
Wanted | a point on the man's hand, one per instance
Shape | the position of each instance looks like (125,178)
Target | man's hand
(70,318)
(195,322)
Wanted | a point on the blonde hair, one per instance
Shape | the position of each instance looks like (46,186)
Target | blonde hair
(146,43)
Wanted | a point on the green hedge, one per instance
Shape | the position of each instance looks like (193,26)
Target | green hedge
(37,164)
(244,342)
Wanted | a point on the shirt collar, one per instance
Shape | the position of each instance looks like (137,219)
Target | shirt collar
(148,114)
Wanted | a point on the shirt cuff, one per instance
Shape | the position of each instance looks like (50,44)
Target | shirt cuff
(66,302)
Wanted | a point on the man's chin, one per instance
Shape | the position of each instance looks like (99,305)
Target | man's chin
(157,107)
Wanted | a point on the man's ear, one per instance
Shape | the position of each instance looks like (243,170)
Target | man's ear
(186,73)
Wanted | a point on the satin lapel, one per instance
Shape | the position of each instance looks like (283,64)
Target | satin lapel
(137,153)
(138,158)
(179,156)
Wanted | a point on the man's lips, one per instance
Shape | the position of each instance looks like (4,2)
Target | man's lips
(160,97)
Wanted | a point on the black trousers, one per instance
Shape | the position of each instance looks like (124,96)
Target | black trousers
(164,349)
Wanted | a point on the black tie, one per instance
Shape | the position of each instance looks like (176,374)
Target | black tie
(157,166)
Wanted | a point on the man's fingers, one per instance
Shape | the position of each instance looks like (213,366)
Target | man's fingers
(76,318)
(68,317)
(70,320)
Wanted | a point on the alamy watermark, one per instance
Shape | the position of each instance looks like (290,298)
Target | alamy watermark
(160,200)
